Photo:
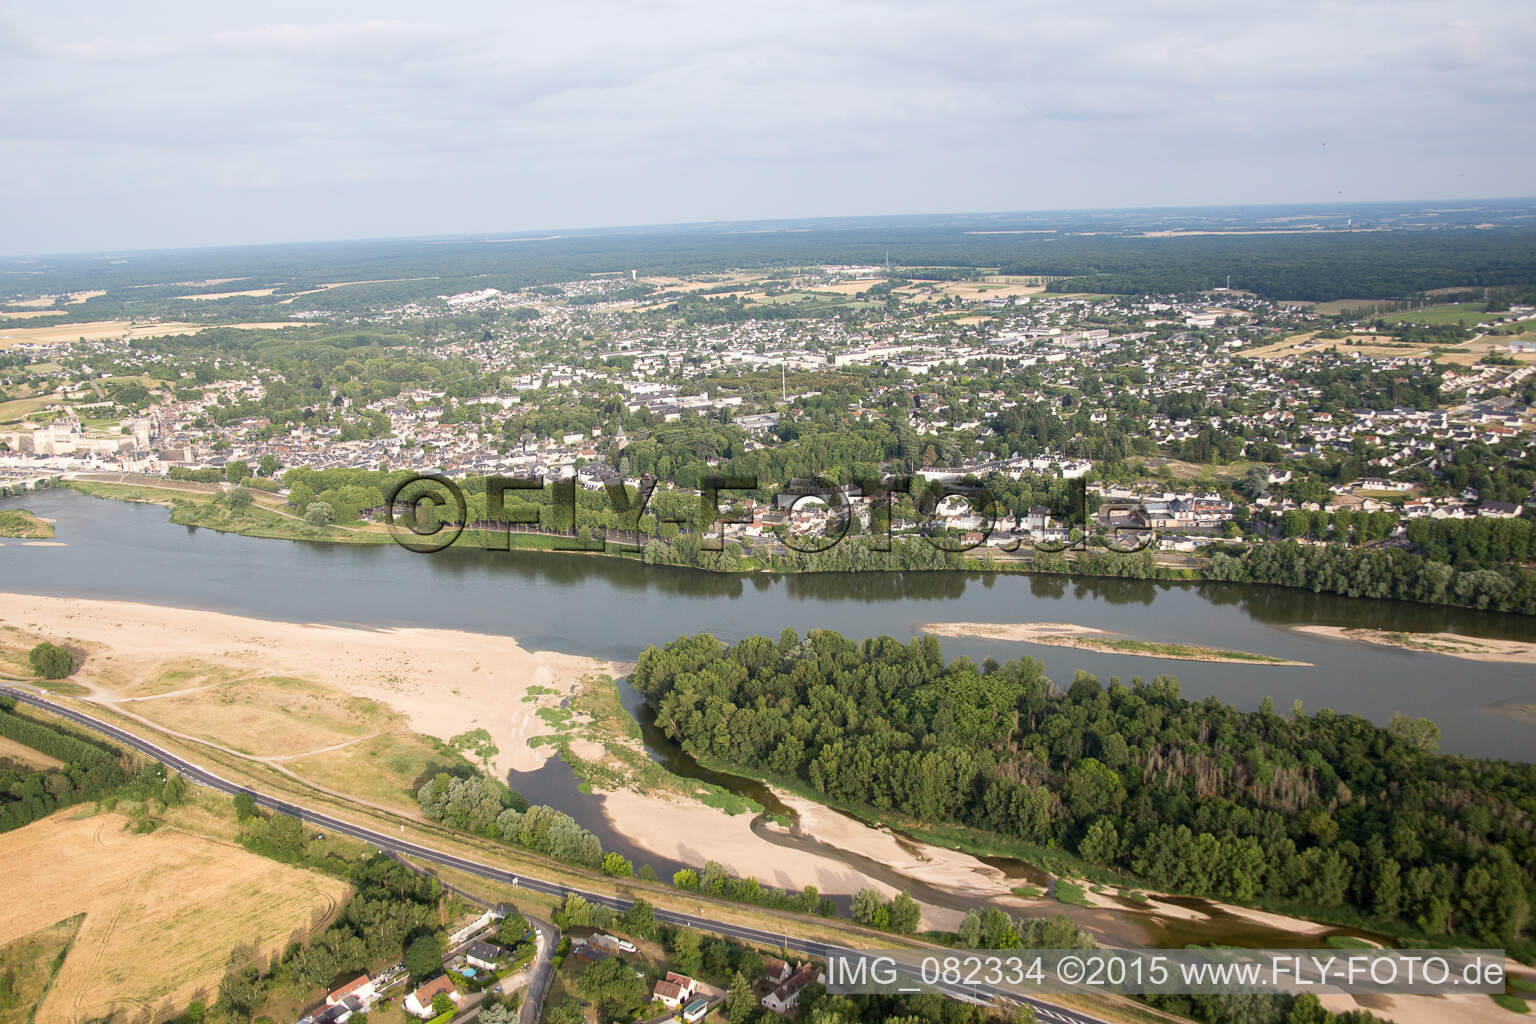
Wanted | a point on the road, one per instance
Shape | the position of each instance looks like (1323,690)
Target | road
(543,971)
(393,844)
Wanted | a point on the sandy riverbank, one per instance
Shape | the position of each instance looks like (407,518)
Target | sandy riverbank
(1088,638)
(1454,645)
(443,681)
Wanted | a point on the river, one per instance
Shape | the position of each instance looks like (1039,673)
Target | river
(611,609)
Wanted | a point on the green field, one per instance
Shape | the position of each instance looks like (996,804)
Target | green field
(1467,313)
(19,407)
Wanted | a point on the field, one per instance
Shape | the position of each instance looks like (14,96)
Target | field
(265,717)
(162,912)
(210,296)
(10,750)
(99,330)
(16,408)
(1307,342)
(1468,313)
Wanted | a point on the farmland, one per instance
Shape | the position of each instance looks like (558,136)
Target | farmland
(162,912)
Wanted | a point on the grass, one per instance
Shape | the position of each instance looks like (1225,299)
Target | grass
(18,522)
(1027,892)
(1071,892)
(1469,313)
(1188,652)
(161,912)
(1514,1004)
(35,959)
(192,507)
(16,408)
(270,716)
(1519,983)
(1348,942)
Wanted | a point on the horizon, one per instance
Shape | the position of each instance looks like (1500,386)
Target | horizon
(550,233)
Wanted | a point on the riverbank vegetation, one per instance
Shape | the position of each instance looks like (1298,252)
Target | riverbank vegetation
(1321,811)
(23,525)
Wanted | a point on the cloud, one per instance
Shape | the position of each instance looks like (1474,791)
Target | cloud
(468,116)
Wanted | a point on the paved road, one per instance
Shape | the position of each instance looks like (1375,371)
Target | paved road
(393,844)
(543,971)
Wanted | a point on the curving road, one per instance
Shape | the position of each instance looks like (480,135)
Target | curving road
(393,844)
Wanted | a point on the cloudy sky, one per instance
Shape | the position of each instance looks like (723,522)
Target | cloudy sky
(156,124)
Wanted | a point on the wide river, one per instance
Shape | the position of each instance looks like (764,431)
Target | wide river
(613,609)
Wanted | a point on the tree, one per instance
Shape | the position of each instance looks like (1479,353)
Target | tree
(686,878)
(617,865)
(639,919)
(245,806)
(740,1003)
(686,951)
(442,1003)
(50,661)
(319,513)
(240,498)
(300,495)
(868,908)
(285,833)
(269,465)
(1421,732)
(905,915)
(614,986)
(493,1011)
(424,956)
(237,471)
(1101,845)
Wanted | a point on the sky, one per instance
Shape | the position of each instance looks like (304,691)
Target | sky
(153,124)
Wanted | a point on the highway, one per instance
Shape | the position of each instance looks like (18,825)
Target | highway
(393,844)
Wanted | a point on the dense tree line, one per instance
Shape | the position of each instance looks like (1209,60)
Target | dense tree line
(1316,267)
(1380,573)
(1325,811)
(89,772)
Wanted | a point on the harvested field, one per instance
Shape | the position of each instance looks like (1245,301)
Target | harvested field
(162,911)
(99,330)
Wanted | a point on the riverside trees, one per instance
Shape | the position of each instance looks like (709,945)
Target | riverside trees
(1329,812)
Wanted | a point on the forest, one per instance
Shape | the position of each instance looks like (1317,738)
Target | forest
(1321,813)
(1102,251)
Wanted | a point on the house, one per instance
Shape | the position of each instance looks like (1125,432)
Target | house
(419,1002)
(674,990)
(786,996)
(776,969)
(361,987)
(482,955)
(1499,509)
